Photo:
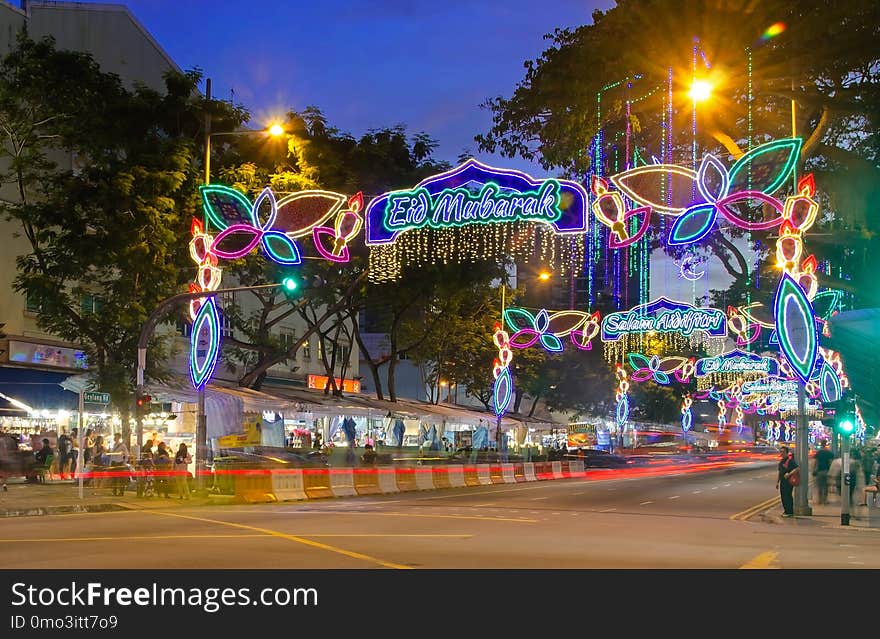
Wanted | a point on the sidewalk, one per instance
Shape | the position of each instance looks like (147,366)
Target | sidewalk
(62,496)
(827,515)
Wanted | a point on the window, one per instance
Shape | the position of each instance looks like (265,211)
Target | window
(320,348)
(31,304)
(91,304)
(224,300)
(287,338)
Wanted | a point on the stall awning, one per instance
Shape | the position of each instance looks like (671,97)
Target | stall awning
(35,389)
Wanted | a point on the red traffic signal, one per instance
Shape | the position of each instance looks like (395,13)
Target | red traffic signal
(144,400)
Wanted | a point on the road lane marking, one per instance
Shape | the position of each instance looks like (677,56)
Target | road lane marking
(580,493)
(608,510)
(856,563)
(645,503)
(537,498)
(766,560)
(714,487)
(675,497)
(275,533)
(726,485)
(696,491)
(392,514)
(754,510)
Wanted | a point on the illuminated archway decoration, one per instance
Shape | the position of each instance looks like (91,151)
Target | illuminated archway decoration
(830,384)
(348,225)
(796,327)
(664,316)
(474,212)
(621,412)
(609,209)
(206,327)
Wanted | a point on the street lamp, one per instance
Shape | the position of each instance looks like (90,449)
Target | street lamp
(700,91)
(275,131)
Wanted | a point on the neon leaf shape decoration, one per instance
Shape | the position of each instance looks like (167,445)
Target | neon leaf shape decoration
(733,216)
(224,206)
(826,303)
(622,412)
(298,213)
(324,232)
(551,343)
(712,179)
(519,318)
(206,326)
(524,338)
(564,322)
(796,327)
(829,383)
(643,215)
(766,167)
(637,361)
(265,202)
(502,392)
(667,188)
(236,241)
(694,225)
(280,248)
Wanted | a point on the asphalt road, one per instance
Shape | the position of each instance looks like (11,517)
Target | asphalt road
(678,520)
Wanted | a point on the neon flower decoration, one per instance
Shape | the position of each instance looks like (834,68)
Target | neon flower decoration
(796,327)
(276,245)
(766,167)
(547,327)
(695,224)
(660,370)
(746,332)
(609,209)
(645,185)
(724,205)
(687,415)
(208,322)
(502,391)
(348,224)
(621,412)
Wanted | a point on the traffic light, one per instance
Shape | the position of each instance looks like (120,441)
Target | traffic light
(845,417)
(295,285)
(142,404)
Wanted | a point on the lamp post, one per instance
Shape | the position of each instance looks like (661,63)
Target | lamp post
(274,130)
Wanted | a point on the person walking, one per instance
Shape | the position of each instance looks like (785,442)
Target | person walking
(824,457)
(120,448)
(162,460)
(182,460)
(64,448)
(786,468)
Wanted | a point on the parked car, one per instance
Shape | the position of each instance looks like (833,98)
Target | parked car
(598,458)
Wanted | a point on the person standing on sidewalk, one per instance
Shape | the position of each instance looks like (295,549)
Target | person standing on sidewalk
(182,460)
(824,457)
(787,467)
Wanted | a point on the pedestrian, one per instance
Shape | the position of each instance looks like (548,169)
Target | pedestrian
(64,448)
(786,468)
(369,456)
(824,457)
(867,464)
(316,444)
(120,448)
(855,473)
(163,462)
(42,460)
(99,452)
(182,460)
(88,447)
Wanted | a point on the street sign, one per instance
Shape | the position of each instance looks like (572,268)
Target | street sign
(96,398)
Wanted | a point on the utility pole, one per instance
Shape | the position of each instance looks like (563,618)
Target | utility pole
(844,480)
(802,455)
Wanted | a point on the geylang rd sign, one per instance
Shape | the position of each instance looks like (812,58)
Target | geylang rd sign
(477,193)
(664,316)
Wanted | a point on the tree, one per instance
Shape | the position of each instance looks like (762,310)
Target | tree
(108,236)
(824,60)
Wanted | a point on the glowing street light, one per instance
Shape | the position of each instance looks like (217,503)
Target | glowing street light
(700,91)
(276,130)
(544,276)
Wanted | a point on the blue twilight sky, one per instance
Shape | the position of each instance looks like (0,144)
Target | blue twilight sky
(369,63)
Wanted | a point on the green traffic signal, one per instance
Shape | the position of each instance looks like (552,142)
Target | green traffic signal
(846,426)
(290,284)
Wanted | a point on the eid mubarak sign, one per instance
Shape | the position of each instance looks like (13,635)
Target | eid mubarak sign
(737,362)
(475,193)
(664,316)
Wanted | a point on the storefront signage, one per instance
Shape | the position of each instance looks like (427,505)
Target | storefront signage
(664,316)
(737,362)
(45,355)
(348,385)
(477,193)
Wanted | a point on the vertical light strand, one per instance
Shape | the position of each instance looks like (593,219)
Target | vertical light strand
(756,246)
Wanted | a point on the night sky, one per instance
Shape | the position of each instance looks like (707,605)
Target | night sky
(366,64)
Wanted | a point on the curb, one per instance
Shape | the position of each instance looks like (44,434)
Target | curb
(63,510)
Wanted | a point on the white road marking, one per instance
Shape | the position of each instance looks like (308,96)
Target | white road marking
(554,513)
(727,484)
(857,563)
(580,493)
(696,491)
(714,487)
(646,502)
(608,510)
(537,498)
(675,497)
